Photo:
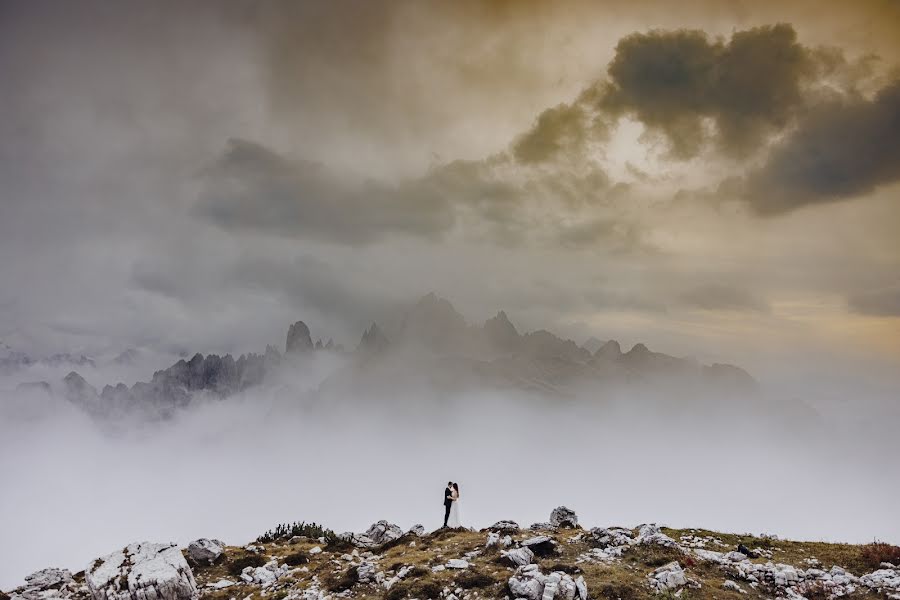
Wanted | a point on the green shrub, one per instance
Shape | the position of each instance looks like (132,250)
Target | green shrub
(285,531)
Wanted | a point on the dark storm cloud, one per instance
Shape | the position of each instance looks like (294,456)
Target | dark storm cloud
(842,148)
(883,302)
(672,81)
(252,187)
(716,296)
(561,132)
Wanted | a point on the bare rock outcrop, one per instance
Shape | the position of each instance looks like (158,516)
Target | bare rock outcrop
(142,571)
(299,339)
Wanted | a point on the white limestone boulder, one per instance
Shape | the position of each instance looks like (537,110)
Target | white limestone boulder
(505,526)
(383,532)
(204,551)
(528,582)
(457,563)
(142,571)
(606,537)
(563,517)
(667,577)
(651,534)
(46,584)
(518,556)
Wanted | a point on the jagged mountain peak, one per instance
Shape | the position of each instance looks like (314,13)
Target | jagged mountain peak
(611,349)
(501,332)
(373,339)
(298,339)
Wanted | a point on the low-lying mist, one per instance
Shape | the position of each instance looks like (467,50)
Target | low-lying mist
(75,488)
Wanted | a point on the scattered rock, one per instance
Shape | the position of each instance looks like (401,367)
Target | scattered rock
(142,571)
(667,577)
(528,582)
(204,551)
(541,545)
(221,584)
(383,532)
(457,563)
(366,572)
(540,526)
(733,586)
(563,517)
(505,526)
(518,556)
(650,534)
(416,530)
(611,537)
(46,584)
(360,540)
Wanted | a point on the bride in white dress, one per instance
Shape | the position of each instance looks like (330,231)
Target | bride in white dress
(453,521)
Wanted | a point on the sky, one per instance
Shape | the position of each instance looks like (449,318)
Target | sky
(718,180)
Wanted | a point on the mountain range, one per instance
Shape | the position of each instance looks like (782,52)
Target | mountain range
(433,350)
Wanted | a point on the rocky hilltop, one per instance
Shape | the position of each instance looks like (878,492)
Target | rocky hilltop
(432,349)
(556,560)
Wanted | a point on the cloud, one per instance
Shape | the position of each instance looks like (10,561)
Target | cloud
(253,187)
(882,302)
(561,132)
(842,148)
(715,296)
(676,81)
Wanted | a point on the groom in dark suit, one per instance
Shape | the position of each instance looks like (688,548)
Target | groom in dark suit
(448,501)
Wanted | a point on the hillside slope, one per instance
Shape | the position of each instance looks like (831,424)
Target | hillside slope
(546,561)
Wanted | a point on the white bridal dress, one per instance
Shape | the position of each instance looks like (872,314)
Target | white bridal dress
(453,520)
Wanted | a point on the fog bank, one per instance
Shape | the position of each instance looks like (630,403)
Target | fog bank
(75,489)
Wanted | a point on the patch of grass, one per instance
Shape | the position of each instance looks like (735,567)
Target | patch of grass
(342,582)
(475,579)
(617,591)
(295,559)
(403,540)
(414,589)
(653,555)
(872,555)
(250,560)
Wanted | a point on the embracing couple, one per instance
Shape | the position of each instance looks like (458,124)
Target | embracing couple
(451,505)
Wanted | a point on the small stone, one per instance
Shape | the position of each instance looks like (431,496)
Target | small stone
(457,563)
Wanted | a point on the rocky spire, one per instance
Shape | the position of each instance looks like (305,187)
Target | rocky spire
(610,350)
(373,340)
(298,339)
(501,332)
